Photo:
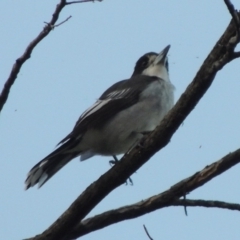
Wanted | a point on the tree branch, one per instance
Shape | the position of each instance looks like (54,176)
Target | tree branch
(233,13)
(27,54)
(162,200)
(235,16)
(28,51)
(207,204)
(57,25)
(146,231)
(236,55)
(117,175)
(82,1)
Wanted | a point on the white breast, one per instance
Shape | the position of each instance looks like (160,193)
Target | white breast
(159,96)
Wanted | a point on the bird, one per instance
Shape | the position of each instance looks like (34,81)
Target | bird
(117,121)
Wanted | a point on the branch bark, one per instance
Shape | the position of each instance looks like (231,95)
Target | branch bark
(217,59)
(207,204)
(165,199)
(82,1)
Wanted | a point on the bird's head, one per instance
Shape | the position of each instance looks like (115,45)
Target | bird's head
(153,64)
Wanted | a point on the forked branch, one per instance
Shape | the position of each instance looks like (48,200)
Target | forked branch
(28,51)
(167,198)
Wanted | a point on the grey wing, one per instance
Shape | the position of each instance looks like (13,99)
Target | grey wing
(118,97)
(115,99)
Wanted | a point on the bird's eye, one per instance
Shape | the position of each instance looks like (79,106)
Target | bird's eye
(144,62)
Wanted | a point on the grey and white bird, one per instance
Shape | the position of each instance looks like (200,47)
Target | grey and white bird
(116,122)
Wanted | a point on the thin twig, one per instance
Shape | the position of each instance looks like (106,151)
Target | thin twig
(82,1)
(146,231)
(184,205)
(28,51)
(57,25)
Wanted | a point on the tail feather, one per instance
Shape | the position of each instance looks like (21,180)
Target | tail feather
(51,164)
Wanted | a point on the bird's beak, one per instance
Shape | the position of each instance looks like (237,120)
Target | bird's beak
(162,56)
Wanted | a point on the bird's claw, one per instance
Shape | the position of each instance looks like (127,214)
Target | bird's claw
(115,161)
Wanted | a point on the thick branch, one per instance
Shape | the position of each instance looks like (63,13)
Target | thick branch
(158,139)
(235,55)
(161,200)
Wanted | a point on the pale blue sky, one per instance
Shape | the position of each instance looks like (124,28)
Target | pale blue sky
(70,69)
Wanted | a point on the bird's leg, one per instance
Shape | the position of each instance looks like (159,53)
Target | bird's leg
(130,180)
(115,161)
(143,134)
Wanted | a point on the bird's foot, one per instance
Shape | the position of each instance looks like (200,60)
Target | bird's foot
(140,143)
(115,161)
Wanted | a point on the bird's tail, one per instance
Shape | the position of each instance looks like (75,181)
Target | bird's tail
(51,164)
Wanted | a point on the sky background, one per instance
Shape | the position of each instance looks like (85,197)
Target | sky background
(70,69)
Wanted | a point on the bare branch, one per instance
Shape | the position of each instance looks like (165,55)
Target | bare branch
(27,54)
(146,231)
(233,13)
(28,51)
(165,199)
(57,25)
(207,204)
(82,1)
(235,55)
(159,138)
(235,17)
